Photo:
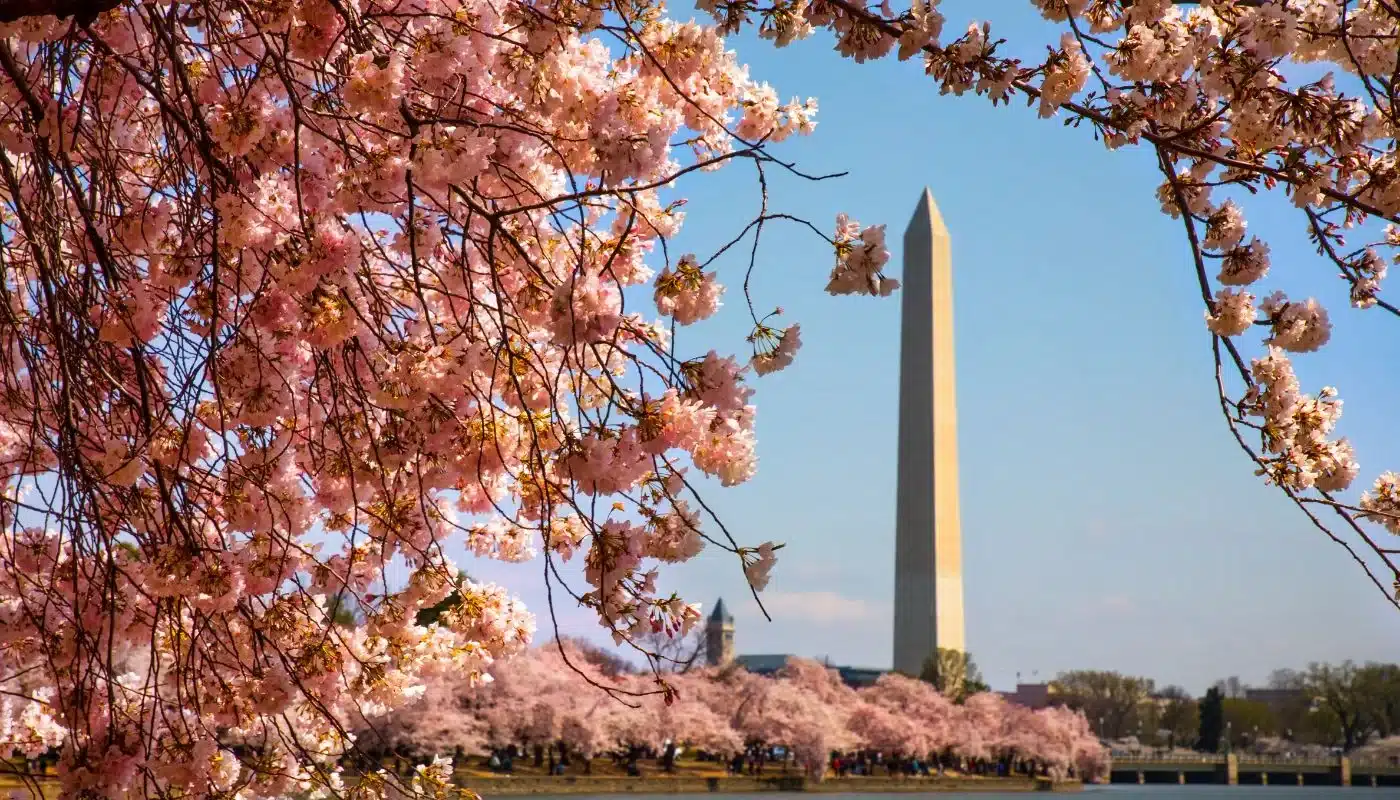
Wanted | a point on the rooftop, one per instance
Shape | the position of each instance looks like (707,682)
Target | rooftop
(771,663)
(762,665)
(860,676)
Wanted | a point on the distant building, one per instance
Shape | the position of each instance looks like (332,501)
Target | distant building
(854,677)
(1030,695)
(858,677)
(719,643)
(762,665)
(719,636)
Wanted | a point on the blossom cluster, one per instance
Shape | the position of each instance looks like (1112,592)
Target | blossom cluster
(299,297)
(557,695)
(1382,503)
(860,259)
(1296,428)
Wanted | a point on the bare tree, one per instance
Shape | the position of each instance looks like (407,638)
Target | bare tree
(1112,700)
(1231,688)
(678,654)
(608,662)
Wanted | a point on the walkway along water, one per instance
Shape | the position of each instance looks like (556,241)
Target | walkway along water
(1234,769)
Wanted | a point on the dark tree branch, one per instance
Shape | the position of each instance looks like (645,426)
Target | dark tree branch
(86,11)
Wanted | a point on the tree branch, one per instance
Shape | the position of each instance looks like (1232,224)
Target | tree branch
(86,11)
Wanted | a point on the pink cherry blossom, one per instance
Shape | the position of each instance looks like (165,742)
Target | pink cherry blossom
(1382,502)
(341,293)
(1234,312)
(687,294)
(776,350)
(301,295)
(558,695)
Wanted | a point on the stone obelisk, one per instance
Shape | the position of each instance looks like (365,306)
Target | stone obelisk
(928,591)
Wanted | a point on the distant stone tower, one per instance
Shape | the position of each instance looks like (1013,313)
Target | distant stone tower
(719,636)
(928,589)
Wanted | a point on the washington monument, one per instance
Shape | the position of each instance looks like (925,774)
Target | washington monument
(928,591)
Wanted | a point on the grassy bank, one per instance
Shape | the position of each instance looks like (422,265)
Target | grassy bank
(691,776)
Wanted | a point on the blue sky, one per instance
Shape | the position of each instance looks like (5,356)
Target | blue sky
(1109,521)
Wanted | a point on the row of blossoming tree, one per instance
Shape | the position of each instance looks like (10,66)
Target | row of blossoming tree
(538,701)
(298,293)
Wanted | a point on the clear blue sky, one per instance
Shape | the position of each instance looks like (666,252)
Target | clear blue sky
(1109,522)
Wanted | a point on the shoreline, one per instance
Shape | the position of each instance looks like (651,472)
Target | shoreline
(581,785)
(542,786)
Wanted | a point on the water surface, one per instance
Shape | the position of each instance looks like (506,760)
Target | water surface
(1112,792)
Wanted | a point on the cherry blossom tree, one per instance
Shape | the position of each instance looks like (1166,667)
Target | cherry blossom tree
(784,713)
(439,724)
(518,707)
(979,731)
(819,679)
(630,728)
(1025,736)
(583,732)
(883,730)
(932,717)
(699,726)
(690,719)
(731,691)
(298,293)
(535,700)
(824,725)
(1081,748)
(1056,739)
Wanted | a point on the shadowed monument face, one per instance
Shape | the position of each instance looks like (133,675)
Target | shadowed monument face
(928,601)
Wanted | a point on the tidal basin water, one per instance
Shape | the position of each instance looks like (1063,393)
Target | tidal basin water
(1117,792)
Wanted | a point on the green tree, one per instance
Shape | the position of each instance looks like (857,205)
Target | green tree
(1379,685)
(428,616)
(340,607)
(1293,705)
(1340,690)
(1119,701)
(1180,716)
(954,673)
(1212,713)
(1245,720)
